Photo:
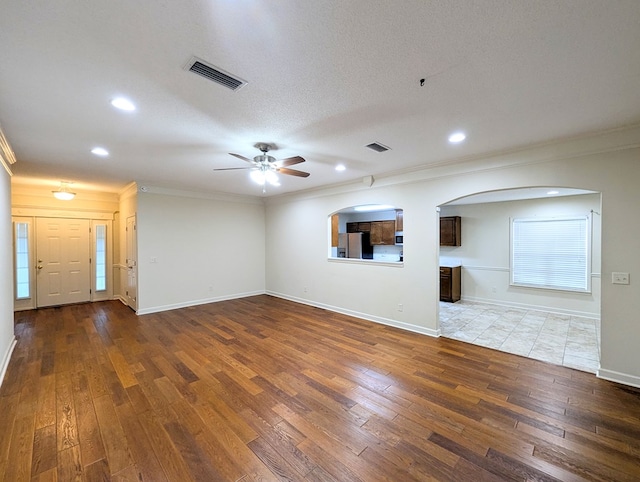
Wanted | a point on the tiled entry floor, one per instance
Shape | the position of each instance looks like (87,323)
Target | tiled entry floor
(566,340)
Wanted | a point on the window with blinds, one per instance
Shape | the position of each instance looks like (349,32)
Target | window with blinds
(552,253)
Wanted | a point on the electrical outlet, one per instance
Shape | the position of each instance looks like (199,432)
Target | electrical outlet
(154,259)
(306,289)
(400,307)
(493,289)
(620,278)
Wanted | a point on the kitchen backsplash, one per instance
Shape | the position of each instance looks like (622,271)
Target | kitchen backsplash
(387,253)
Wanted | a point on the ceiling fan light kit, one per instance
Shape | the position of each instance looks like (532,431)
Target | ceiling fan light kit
(262,176)
(264,167)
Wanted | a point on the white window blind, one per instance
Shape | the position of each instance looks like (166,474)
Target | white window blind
(553,253)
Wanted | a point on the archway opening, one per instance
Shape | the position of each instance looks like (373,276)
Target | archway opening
(557,324)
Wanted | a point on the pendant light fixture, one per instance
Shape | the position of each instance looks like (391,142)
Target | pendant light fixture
(63,192)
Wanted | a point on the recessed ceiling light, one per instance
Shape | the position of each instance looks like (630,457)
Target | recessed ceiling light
(123,104)
(457,137)
(340,167)
(551,193)
(100,151)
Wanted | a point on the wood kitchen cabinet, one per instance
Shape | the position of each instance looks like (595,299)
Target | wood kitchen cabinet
(399,220)
(334,230)
(383,232)
(364,227)
(450,231)
(450,283)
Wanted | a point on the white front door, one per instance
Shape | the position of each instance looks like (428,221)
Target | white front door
(131,293)
(63,270)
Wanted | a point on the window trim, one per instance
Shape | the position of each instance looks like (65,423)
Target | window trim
(97,253)
(106,293)
(29,255)
(24,303)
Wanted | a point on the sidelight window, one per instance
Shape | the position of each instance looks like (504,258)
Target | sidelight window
(23,282)
(101,257)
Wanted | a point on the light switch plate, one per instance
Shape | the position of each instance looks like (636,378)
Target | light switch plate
(618,278)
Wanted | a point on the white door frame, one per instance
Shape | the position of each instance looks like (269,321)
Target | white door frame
(31,221)
(131,289)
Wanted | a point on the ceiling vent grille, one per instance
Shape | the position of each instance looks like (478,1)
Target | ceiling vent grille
(376,146)
(200,67)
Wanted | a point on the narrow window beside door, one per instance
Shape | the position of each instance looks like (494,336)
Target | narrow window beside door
(101,257)
(23,286)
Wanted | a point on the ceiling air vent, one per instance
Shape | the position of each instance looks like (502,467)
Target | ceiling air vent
(200,67)
(376,146)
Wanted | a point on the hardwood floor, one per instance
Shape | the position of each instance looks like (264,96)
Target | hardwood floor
(265,389)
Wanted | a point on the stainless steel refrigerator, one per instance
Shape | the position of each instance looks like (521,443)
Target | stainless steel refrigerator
(354,245)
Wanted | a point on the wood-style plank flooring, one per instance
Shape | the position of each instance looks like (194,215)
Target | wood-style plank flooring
(265,389)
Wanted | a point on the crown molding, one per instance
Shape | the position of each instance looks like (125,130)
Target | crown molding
(607,141)
(143,188)
(7,157)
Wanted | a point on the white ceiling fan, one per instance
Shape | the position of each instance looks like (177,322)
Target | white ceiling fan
(264,167)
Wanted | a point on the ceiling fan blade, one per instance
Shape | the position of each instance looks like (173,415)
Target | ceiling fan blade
(292,172)
(290,161)
(241,157)
(233,169)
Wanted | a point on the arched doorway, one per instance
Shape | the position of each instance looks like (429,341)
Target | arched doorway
(557,325)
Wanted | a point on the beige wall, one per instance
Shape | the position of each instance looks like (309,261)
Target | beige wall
(197,248)
(37,200)
(608,163)
(7,339)
(126,208)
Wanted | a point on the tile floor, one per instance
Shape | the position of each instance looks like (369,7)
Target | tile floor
(571,341)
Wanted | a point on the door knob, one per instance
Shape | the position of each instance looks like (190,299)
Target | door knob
(39,266)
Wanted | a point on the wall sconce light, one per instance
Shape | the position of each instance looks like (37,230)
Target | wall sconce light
(63,192)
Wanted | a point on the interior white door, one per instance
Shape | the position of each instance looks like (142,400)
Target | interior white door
(63,270)
(131,293)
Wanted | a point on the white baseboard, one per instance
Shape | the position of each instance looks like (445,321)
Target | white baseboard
(5,360)
(618,377)
(524,306)
(186,304)
(365,316)
(120,298)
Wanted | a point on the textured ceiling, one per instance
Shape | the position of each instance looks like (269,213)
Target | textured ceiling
(325,78)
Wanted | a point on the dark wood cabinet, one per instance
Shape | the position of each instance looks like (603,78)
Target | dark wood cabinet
(364,227)
(399,220)
(450,284)
(450,231)
(383,232)
(334,230)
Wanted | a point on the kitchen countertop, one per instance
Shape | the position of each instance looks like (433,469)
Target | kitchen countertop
(450,262)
